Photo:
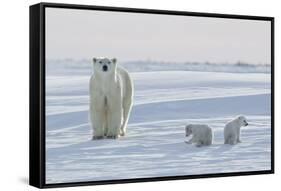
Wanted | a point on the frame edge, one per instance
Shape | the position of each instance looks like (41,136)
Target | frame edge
(37,157)
(35,170)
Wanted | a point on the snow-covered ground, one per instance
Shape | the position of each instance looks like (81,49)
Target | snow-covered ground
(165,101)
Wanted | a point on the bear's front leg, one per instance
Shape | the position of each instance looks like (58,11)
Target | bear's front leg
(190,141)
(114,123)
(115,115)
(238,136)
(97,119)
(199,144)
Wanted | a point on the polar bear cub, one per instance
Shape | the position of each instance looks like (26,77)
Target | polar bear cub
(111,99)
(201,134)
(232,130)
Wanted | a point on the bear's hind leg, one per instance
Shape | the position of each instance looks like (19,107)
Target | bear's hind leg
(208,142)
(127,106)
(232,140)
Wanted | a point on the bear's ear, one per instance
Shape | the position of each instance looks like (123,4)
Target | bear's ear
(94,60)
(114,60)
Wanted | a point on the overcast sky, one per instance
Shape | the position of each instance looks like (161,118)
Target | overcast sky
(83,34)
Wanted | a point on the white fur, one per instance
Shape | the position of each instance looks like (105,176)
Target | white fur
(201,134)
(111,98)
(232,130)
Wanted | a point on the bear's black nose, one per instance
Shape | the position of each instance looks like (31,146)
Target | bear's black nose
(104,68)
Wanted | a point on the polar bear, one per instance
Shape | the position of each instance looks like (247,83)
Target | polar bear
(201,134)
(232,130)
(111,99)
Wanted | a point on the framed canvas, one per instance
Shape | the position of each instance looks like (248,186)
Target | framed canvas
(121,95)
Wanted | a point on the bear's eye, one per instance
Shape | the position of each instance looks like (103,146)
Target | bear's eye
(100,62)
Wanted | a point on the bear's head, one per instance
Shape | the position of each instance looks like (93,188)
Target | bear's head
(104,65)
(188,130)
(242,120)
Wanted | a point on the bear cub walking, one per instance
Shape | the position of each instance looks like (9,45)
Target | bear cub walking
(202,135)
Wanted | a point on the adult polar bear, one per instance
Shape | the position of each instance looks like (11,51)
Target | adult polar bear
(111,99)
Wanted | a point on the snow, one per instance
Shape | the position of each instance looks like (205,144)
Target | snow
(165,101)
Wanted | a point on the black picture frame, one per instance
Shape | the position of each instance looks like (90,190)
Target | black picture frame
(37,94)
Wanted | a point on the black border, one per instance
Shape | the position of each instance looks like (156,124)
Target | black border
(37,94)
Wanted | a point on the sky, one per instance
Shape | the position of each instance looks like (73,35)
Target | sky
(84,34)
